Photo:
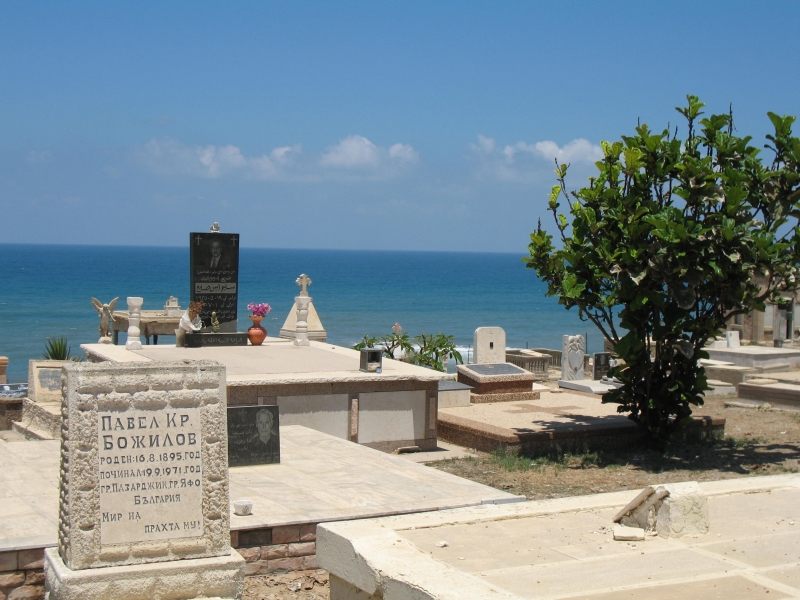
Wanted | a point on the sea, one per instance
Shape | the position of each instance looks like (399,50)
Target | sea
(46,291)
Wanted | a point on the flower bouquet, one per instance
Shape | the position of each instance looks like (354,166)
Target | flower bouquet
(257,334)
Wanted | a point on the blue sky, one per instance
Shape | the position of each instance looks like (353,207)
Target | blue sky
(406,125)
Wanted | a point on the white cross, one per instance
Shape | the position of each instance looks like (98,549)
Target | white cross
(397,329)
(303,281)
(197,238)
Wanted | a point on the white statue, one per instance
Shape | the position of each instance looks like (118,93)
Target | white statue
(105,313)
(190,321)
(572,357)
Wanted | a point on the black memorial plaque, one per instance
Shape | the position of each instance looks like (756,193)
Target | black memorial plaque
(212,340)
(253,435)
(496,369)
(602,363)
(214,276)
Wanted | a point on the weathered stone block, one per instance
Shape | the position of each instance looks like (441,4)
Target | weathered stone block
(250,554)
(31,559)
(308,533)
(276,551)
(683,512)
(8,561)
(286,564)
(302,549)
(34,577)
(139,471)
(12,578)
(286,534)
(27,592)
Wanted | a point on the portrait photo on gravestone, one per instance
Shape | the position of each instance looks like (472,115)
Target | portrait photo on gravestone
(214,276)
(253,435)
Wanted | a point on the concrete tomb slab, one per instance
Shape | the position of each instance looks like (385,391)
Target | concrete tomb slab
(253,435)
(144,477)
(563,548)
(489,345)
(556,421)
(453,393)
(501,382)
(316,386)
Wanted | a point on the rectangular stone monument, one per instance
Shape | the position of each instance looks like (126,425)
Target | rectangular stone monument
(732,339)
(572,354)
(602,363)
(253,435)
(144,484)
(489,345)
(214,276)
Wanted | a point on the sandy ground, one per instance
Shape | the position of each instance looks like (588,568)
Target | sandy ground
(756,443)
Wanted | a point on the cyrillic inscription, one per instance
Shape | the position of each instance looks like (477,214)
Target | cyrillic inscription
(150,475)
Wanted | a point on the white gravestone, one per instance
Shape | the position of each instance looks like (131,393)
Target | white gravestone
(144,484)
(134,341)
(732,339)
(572,353)
(490,345)
(301,302)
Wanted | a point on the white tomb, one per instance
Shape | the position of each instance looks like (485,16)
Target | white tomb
(572,368)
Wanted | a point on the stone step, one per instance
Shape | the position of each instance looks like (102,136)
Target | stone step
(30,432)
(777,394)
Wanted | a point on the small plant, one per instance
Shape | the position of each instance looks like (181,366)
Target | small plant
(259,310)
(58,349)
(424,350)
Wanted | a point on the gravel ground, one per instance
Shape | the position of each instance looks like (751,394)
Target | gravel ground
(299,585)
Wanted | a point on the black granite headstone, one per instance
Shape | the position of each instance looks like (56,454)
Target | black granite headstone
(14,390)
(253,435)
(212,340)
(601,364)
(214,276)
(496,369)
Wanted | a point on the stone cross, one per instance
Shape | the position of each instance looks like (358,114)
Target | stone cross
(303,281)
(397,329)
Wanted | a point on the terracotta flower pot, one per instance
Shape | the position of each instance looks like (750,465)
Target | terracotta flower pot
(256,334)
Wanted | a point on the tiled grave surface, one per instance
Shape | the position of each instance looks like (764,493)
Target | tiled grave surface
(320,478)
(567,421)
(565,548)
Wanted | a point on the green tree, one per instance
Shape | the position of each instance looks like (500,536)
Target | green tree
(670,239)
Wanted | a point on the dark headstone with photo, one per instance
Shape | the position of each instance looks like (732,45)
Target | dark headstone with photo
(214,276)
(602,363)
(253,435)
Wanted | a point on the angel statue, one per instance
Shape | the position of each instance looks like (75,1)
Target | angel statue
(190,321)
(104,312)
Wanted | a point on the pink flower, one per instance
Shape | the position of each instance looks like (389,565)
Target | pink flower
(259,310)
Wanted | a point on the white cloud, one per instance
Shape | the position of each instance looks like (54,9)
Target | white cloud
(354,156)
(403,152)
(352,151)
(171,157)
(357,152)
(525,162)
